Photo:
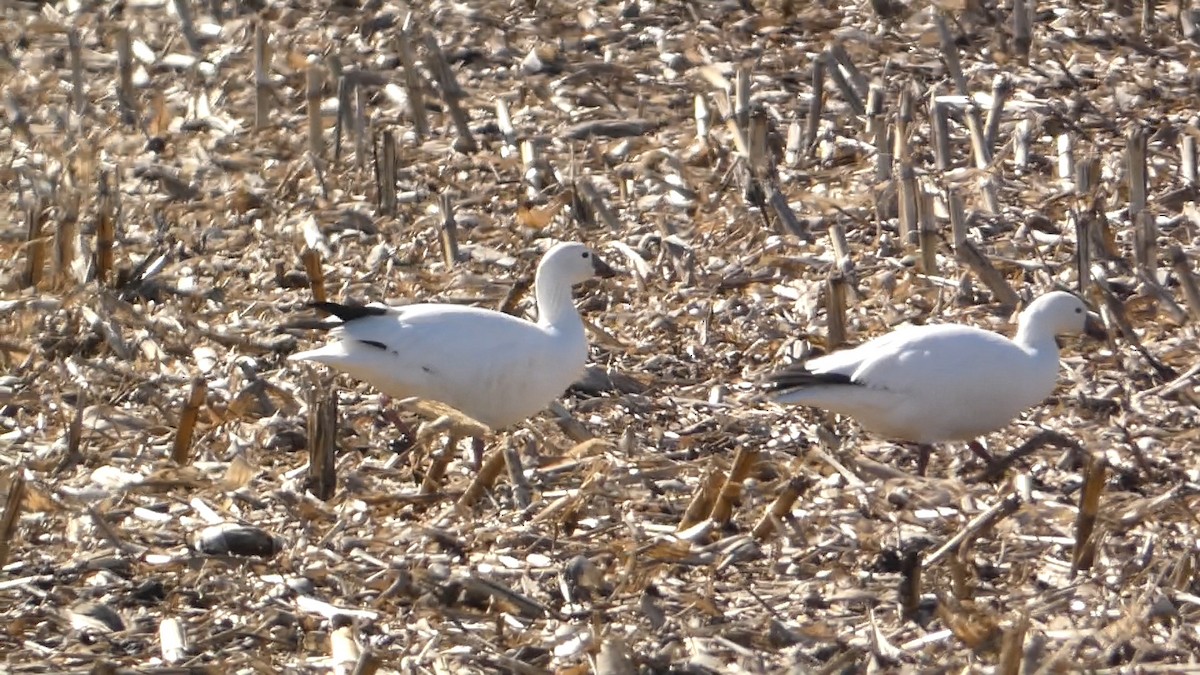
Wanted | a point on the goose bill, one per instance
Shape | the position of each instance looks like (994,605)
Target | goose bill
(601,268)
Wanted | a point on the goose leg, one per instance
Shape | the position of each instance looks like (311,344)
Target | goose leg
(477,448)
(923,452)
(406,435)
(981,452)
(437,467)
(389,414)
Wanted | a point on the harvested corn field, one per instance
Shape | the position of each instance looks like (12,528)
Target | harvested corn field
(772,179)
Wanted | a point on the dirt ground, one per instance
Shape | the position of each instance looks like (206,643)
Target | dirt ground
(772,177)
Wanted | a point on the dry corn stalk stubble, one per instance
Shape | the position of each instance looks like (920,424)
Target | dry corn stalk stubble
(190,158)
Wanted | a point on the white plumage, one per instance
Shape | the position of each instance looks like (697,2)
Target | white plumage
(947,382)
(494,367)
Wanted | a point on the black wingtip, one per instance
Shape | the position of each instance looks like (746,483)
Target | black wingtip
(347,313)
(799,377)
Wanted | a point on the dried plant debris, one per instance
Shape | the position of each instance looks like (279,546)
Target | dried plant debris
(776,179)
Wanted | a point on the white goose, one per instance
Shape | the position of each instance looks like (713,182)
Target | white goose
(946,382)
(494,367)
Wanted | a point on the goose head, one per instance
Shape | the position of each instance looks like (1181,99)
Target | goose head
(1059,313)
(572,263)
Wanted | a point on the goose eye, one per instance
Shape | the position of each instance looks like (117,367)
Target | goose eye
(1079,310)
(585,255)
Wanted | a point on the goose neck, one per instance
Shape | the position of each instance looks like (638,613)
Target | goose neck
(556,307)
(1036,339)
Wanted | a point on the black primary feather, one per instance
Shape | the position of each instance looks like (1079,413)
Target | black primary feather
(799,377)
(374,343)
(348,313)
